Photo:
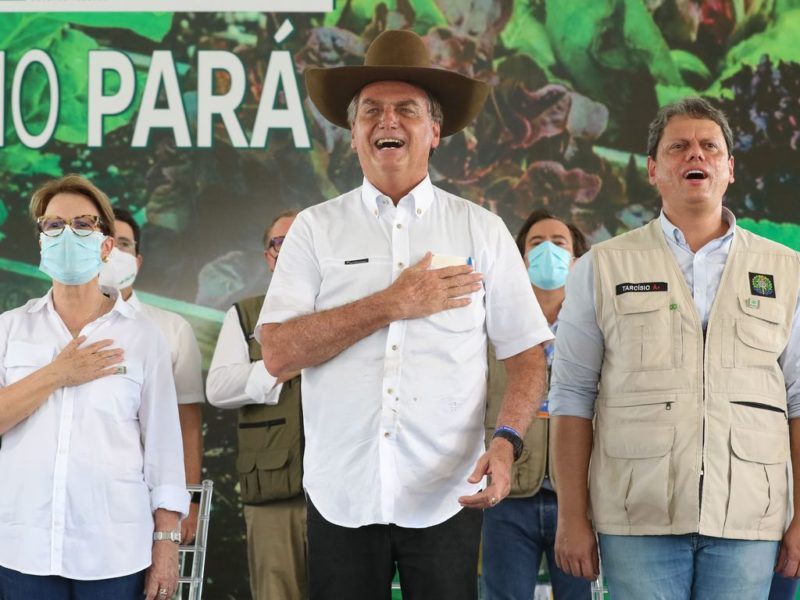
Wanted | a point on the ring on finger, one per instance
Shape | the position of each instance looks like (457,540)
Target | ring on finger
(492,501)
(162,591)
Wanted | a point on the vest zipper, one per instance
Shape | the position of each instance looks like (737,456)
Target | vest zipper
(703,438)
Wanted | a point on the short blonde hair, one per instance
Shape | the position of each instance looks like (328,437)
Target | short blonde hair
(74,184)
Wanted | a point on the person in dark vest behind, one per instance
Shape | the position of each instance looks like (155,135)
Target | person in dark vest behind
(517,531)
(269,463)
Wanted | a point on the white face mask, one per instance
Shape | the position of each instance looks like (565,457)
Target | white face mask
(120,270)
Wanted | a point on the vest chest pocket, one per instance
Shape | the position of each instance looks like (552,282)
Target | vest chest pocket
(649,332)
(758,338)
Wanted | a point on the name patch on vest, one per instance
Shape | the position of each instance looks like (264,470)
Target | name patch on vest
(650,286)
(762,285)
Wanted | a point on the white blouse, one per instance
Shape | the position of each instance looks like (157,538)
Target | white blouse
(81,476)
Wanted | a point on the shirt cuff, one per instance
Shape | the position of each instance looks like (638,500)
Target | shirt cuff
(508,349)
(261,385)
(193,398)
(170,497)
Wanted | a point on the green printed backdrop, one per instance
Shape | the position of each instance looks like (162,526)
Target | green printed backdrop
(574,85)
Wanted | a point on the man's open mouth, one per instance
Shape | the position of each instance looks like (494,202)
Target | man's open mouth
(383,143)
(695,174)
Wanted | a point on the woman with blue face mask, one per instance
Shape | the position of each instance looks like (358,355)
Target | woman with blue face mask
(91,459)
(522,527)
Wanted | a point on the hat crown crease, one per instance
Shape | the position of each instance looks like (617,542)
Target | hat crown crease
(397,51)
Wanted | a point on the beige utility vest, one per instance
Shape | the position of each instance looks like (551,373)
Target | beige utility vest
(691,434)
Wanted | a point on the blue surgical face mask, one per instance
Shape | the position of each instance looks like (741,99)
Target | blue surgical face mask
(69,258)
(548,266)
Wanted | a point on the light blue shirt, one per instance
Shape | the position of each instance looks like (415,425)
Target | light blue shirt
(579,345)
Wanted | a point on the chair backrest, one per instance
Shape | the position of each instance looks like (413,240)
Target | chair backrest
(193,556)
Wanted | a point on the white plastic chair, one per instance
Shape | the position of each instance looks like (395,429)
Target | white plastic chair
(599,589)
(192,557)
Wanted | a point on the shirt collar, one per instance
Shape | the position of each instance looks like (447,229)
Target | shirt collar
(134,302)
(671,232)
(421,197)
(120,305)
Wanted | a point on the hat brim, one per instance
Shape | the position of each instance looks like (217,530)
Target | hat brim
(461,98)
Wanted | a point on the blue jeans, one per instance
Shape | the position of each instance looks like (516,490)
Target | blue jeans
(677,567)
(20,586)
(783,588)
(515,534)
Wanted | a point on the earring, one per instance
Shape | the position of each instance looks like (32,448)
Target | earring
(105,258)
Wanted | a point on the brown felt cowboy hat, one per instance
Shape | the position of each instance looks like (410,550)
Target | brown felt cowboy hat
(397,55)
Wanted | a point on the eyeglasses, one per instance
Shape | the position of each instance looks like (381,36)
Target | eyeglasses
(276,243)
(81,225)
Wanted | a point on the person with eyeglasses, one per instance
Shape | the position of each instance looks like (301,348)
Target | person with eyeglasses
(91,462)
(119,272)
(270,439)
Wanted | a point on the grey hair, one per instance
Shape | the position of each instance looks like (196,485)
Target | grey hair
(696,108)
(434,109)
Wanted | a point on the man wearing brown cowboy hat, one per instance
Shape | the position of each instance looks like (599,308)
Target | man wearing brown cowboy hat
(378,299)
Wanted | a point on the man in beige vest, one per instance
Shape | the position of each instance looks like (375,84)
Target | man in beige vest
(270,444)
(676,377)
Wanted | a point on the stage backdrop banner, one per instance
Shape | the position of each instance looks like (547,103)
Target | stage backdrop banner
(197,121)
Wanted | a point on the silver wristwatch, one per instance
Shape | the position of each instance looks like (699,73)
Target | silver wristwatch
(167,536)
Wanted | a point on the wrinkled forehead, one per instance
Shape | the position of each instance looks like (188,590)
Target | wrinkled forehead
(382,92)
(686,127)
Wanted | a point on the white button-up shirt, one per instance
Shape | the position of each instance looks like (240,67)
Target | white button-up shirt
(233,380)
(82,475)
(183,349)
(394,423)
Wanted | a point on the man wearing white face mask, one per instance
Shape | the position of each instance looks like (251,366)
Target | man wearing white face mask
(119,272)
(520,529)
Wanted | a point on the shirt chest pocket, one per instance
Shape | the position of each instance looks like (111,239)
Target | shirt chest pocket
(461,319)
(756,337)
(23,358)
(649,331)
(345,280)
(117,396)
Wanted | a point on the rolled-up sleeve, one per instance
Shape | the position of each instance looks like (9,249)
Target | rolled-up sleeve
(187,367)
(790,365)
(579,347)
(161,433)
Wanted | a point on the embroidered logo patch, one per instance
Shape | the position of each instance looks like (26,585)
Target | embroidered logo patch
(762,285)
(650,286)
